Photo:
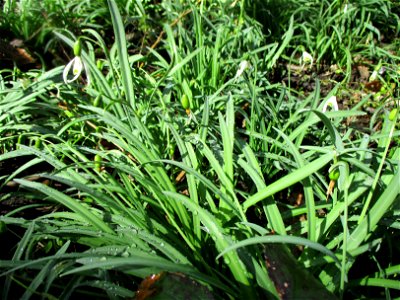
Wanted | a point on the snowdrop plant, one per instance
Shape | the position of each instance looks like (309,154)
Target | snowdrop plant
(77,65)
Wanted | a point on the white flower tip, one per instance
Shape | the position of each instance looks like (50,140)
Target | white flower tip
(331,102)
(306,58)
(373,76)
(244,64)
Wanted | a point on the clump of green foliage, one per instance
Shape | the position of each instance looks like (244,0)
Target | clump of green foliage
(178,152)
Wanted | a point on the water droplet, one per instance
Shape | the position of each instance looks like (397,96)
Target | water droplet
(227,261)
(125,254)
(103,258)
(162,244)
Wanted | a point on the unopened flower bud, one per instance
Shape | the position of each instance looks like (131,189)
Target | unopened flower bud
(78,47)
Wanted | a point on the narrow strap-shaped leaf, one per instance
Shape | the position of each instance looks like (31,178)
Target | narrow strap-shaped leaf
(69,202)
(271,209)
(289,180)
(17,256)
(387,198)
(335,136)
(126,72)
(95,262)
(308,191)
(295,240)
(43,274)
(222,241)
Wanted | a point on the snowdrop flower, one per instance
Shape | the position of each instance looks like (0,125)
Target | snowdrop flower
(244,64)
(373,76)
(306,58)
(331,102)
(77,65)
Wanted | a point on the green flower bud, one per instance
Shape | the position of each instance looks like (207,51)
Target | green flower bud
(38,143)
(21,140)
(185,102)
(99,64)
(78,47)
(97,162)
(88,200)
(392,114)
(334,175)
(68,114)
(97,101)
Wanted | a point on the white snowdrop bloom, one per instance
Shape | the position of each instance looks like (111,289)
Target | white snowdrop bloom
(373,76)
(331,102)
(244,64)
(77,66)
(306,58)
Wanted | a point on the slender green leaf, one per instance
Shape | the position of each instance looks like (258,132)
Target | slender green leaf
(289,180)
(69,202)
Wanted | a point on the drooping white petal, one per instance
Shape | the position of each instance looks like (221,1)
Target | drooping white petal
(77,69)
(331,102)
(77,65)
(66,71)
